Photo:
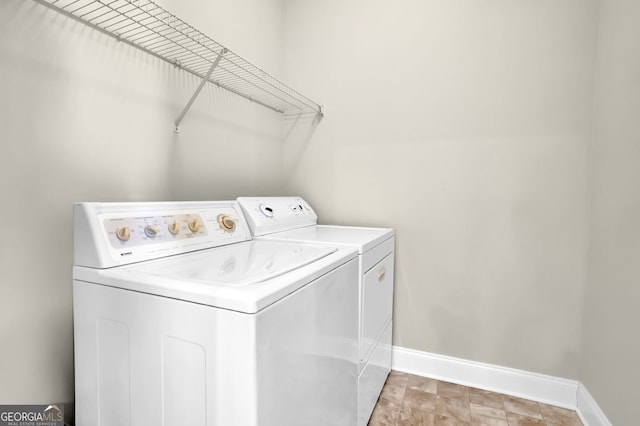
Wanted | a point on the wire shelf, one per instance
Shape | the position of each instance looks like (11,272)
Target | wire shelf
(153,29)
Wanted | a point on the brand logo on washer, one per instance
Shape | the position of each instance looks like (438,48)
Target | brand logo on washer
(126,253)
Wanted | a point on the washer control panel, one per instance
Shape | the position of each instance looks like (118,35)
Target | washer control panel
(137,230)
(111,234)
(266,215)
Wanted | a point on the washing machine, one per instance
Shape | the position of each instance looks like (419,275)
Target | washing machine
(180,318)
(292,219)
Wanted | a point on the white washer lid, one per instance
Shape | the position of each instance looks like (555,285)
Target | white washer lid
(244,277)
(364,239)
(237,264)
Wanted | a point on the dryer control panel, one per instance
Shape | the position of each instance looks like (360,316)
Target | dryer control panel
(266,215)
(112,234)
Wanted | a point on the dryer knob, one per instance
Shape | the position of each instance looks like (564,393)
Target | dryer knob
(123,233)
(266,210)
(194,225)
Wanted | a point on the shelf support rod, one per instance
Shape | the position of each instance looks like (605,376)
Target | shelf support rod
(198,90)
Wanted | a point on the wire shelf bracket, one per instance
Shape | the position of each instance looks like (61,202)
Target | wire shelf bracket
(149,27)
(197,92)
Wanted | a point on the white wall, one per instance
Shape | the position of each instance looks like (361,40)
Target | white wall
(85,118)
(612,346)
(465,125)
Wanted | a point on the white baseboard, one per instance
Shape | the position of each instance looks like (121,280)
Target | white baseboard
(533,386)
(523,384)
(589,410)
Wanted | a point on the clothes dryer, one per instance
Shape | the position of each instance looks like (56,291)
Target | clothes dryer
(180,318)
(291,219)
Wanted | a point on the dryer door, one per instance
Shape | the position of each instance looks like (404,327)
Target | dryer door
(376,304)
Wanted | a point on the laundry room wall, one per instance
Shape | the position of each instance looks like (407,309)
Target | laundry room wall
(465,126)
(87,118)
(612,347)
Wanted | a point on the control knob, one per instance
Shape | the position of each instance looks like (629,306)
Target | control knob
(123,233)
(194,225)
(227,223)
(174,228)
(151,231)
(266,210)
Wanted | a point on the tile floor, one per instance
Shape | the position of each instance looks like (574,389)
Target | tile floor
(409,400)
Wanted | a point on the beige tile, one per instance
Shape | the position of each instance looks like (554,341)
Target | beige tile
(424,401)
(518,420)
(410,400)
(522,407)
(454,408)
(384,413)
(488,421)
(410,416)
(559,416)
(486,398)
(482,415)
(375,423)
(422,384)
(397,378)
(451,390)
(393,393)
(448,421)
